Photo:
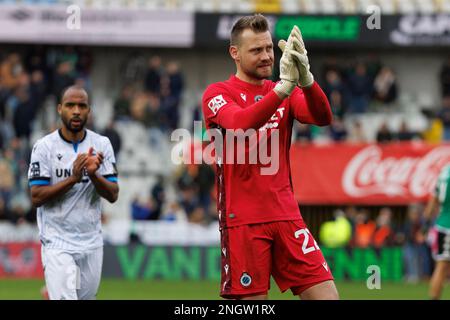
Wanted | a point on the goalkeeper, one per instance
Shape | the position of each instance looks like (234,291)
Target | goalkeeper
(262,230)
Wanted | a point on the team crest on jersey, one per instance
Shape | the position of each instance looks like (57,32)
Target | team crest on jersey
(246,279)
(216,103)
(258,97)
(35,170)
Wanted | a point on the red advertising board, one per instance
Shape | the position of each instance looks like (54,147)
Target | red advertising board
(21,260)
(372,174)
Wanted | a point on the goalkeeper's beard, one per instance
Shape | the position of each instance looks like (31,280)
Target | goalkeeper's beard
(255,74)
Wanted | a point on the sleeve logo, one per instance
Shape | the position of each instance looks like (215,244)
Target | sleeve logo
(216,103)
(35,170)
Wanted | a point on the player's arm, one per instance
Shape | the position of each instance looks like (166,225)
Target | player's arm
(106,189)
(42,193)
(221,109)
(310,105)
(101,171)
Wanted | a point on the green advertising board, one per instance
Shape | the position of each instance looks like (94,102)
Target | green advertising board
(203,263)
(325,28)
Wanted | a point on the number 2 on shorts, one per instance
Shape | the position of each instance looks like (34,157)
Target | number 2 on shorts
(305,232)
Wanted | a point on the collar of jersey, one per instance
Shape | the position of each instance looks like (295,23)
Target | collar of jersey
(74,144)
(233,78)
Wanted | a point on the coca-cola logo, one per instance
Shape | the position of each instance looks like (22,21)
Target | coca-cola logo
(368,173)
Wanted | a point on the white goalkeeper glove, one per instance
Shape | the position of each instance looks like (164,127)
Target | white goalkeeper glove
(288,70)
(300,55)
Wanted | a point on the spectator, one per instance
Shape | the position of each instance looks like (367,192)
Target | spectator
(383,235)
(444,115)
(385,86)
(114,137)
(37,91)
(23,114)
(84,66)
(169,106)
(364,230)
(152,82)
(360,86)
(404,134)
(175,80)
(62,78)
(414,246)
(337,106)
(154,120)
(334,83)
(10,71)
(6,181)
(444,78)
(4,212)
(158,196)
(384,134)
(142,210)
(357,133)
(174,213)
(122,104)
(338,131)
(303,132)
(134,68)
(205,180)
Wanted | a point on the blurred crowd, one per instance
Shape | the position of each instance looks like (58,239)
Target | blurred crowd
(151,94)
(26,81)
(355,227)
(370,86)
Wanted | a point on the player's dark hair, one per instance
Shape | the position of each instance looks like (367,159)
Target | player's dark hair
(75,87)
(257,23)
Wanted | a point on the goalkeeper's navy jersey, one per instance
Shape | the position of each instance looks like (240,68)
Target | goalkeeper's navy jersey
(245,195)
(72,221)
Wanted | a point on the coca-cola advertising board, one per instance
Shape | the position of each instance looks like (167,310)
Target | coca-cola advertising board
(371,174)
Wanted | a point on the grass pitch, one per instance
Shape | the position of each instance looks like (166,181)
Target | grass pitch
(115,289)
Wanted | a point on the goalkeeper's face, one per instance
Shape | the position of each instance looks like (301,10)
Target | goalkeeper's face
(254,54)
(74,109)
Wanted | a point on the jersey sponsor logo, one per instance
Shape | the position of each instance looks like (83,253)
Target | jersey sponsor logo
(35,170)
(65,173)
(216,103)
(246,279)
(275,120)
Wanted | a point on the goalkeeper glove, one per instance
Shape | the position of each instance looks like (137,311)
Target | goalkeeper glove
(288,71)
(299,53)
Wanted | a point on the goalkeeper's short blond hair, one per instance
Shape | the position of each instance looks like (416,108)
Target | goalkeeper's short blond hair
(257,23)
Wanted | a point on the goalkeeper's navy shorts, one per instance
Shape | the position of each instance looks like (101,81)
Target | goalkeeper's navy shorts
(284,249)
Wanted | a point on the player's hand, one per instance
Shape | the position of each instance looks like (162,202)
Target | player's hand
(93,161)
(78,166)
(300,56)
(288,70)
